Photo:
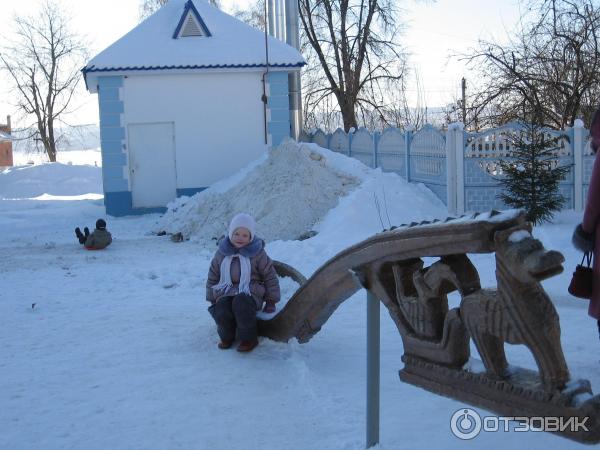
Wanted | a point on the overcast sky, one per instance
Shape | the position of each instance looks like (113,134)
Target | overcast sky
(435,30)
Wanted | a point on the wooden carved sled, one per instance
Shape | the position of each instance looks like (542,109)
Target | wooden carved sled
(436,338)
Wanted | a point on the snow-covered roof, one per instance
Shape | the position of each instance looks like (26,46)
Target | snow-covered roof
(166,41)
(5,137)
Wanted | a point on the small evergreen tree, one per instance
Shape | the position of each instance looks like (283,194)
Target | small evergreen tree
(532,174)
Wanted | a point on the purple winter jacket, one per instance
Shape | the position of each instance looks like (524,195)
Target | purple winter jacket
(264,284)
(591,217)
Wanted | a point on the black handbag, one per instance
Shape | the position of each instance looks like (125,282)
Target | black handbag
(581,282)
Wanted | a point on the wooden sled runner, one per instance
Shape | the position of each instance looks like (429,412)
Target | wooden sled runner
(436,338)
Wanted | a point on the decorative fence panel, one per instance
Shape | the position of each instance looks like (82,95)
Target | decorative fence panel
(321,139)
(428,160)
(340,142)
(462,169)
(363,147)
(391,151)
(482,172)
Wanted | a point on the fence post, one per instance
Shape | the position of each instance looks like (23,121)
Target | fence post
(460,167)
(578,146)
(409,130)
(376,137)
(455,198)
(450,170)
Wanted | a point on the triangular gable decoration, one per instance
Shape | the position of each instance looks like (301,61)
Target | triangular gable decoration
(190,24)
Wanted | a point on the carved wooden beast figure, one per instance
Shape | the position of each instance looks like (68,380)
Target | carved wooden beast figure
(519,311)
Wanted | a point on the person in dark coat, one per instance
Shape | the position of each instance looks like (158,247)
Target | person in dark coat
(586,236)
(100,238)
(240,280)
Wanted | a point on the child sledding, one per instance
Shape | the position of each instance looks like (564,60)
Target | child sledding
(97,240)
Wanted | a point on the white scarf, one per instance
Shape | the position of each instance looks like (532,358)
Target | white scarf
(225,284)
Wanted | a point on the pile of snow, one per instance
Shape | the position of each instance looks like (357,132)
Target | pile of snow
(53,179)
(287,194)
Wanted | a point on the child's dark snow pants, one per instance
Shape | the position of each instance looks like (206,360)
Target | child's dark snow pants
(231,313)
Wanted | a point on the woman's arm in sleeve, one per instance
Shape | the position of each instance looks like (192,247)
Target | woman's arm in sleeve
(592,206)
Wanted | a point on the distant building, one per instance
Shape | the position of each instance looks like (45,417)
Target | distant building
(6,150)
(186,98)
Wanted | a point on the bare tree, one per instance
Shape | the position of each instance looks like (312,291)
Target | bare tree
(149,7)
(253,15)
(398,112)
(43,63)
(354,43)
(551,64)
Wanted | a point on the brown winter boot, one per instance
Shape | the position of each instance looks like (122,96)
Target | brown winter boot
(247,346)
(224,345)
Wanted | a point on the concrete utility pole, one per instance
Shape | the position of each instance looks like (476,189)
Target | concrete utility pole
(463,86)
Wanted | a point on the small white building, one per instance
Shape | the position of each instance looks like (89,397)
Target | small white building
(182,103)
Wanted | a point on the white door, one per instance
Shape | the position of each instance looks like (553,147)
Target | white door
(152,164)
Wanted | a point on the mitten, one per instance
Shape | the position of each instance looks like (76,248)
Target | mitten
(269,307)
(582,240)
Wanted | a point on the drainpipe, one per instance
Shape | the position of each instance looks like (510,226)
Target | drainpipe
(269,27)
(295,89)
(270,5)
(280,30)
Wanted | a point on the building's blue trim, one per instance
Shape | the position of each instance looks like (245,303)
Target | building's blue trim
(119,204)
(189,6)
(114,133)
(111,94)
(110,120)
(114,159)
(278,79)
(278,88)
(279,102)
(188,192)
(92,68)
(279,115)
(114,81)
(110,171)
(278,126)
(110,146)
(112,136)
(107,107)
(114,184)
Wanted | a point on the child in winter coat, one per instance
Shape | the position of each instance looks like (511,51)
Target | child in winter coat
(240,279)
(98,240)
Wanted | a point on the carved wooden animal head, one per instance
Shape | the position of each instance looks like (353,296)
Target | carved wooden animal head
(524,256)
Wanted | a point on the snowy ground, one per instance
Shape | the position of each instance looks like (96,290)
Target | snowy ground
(77,157)
(115,349)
